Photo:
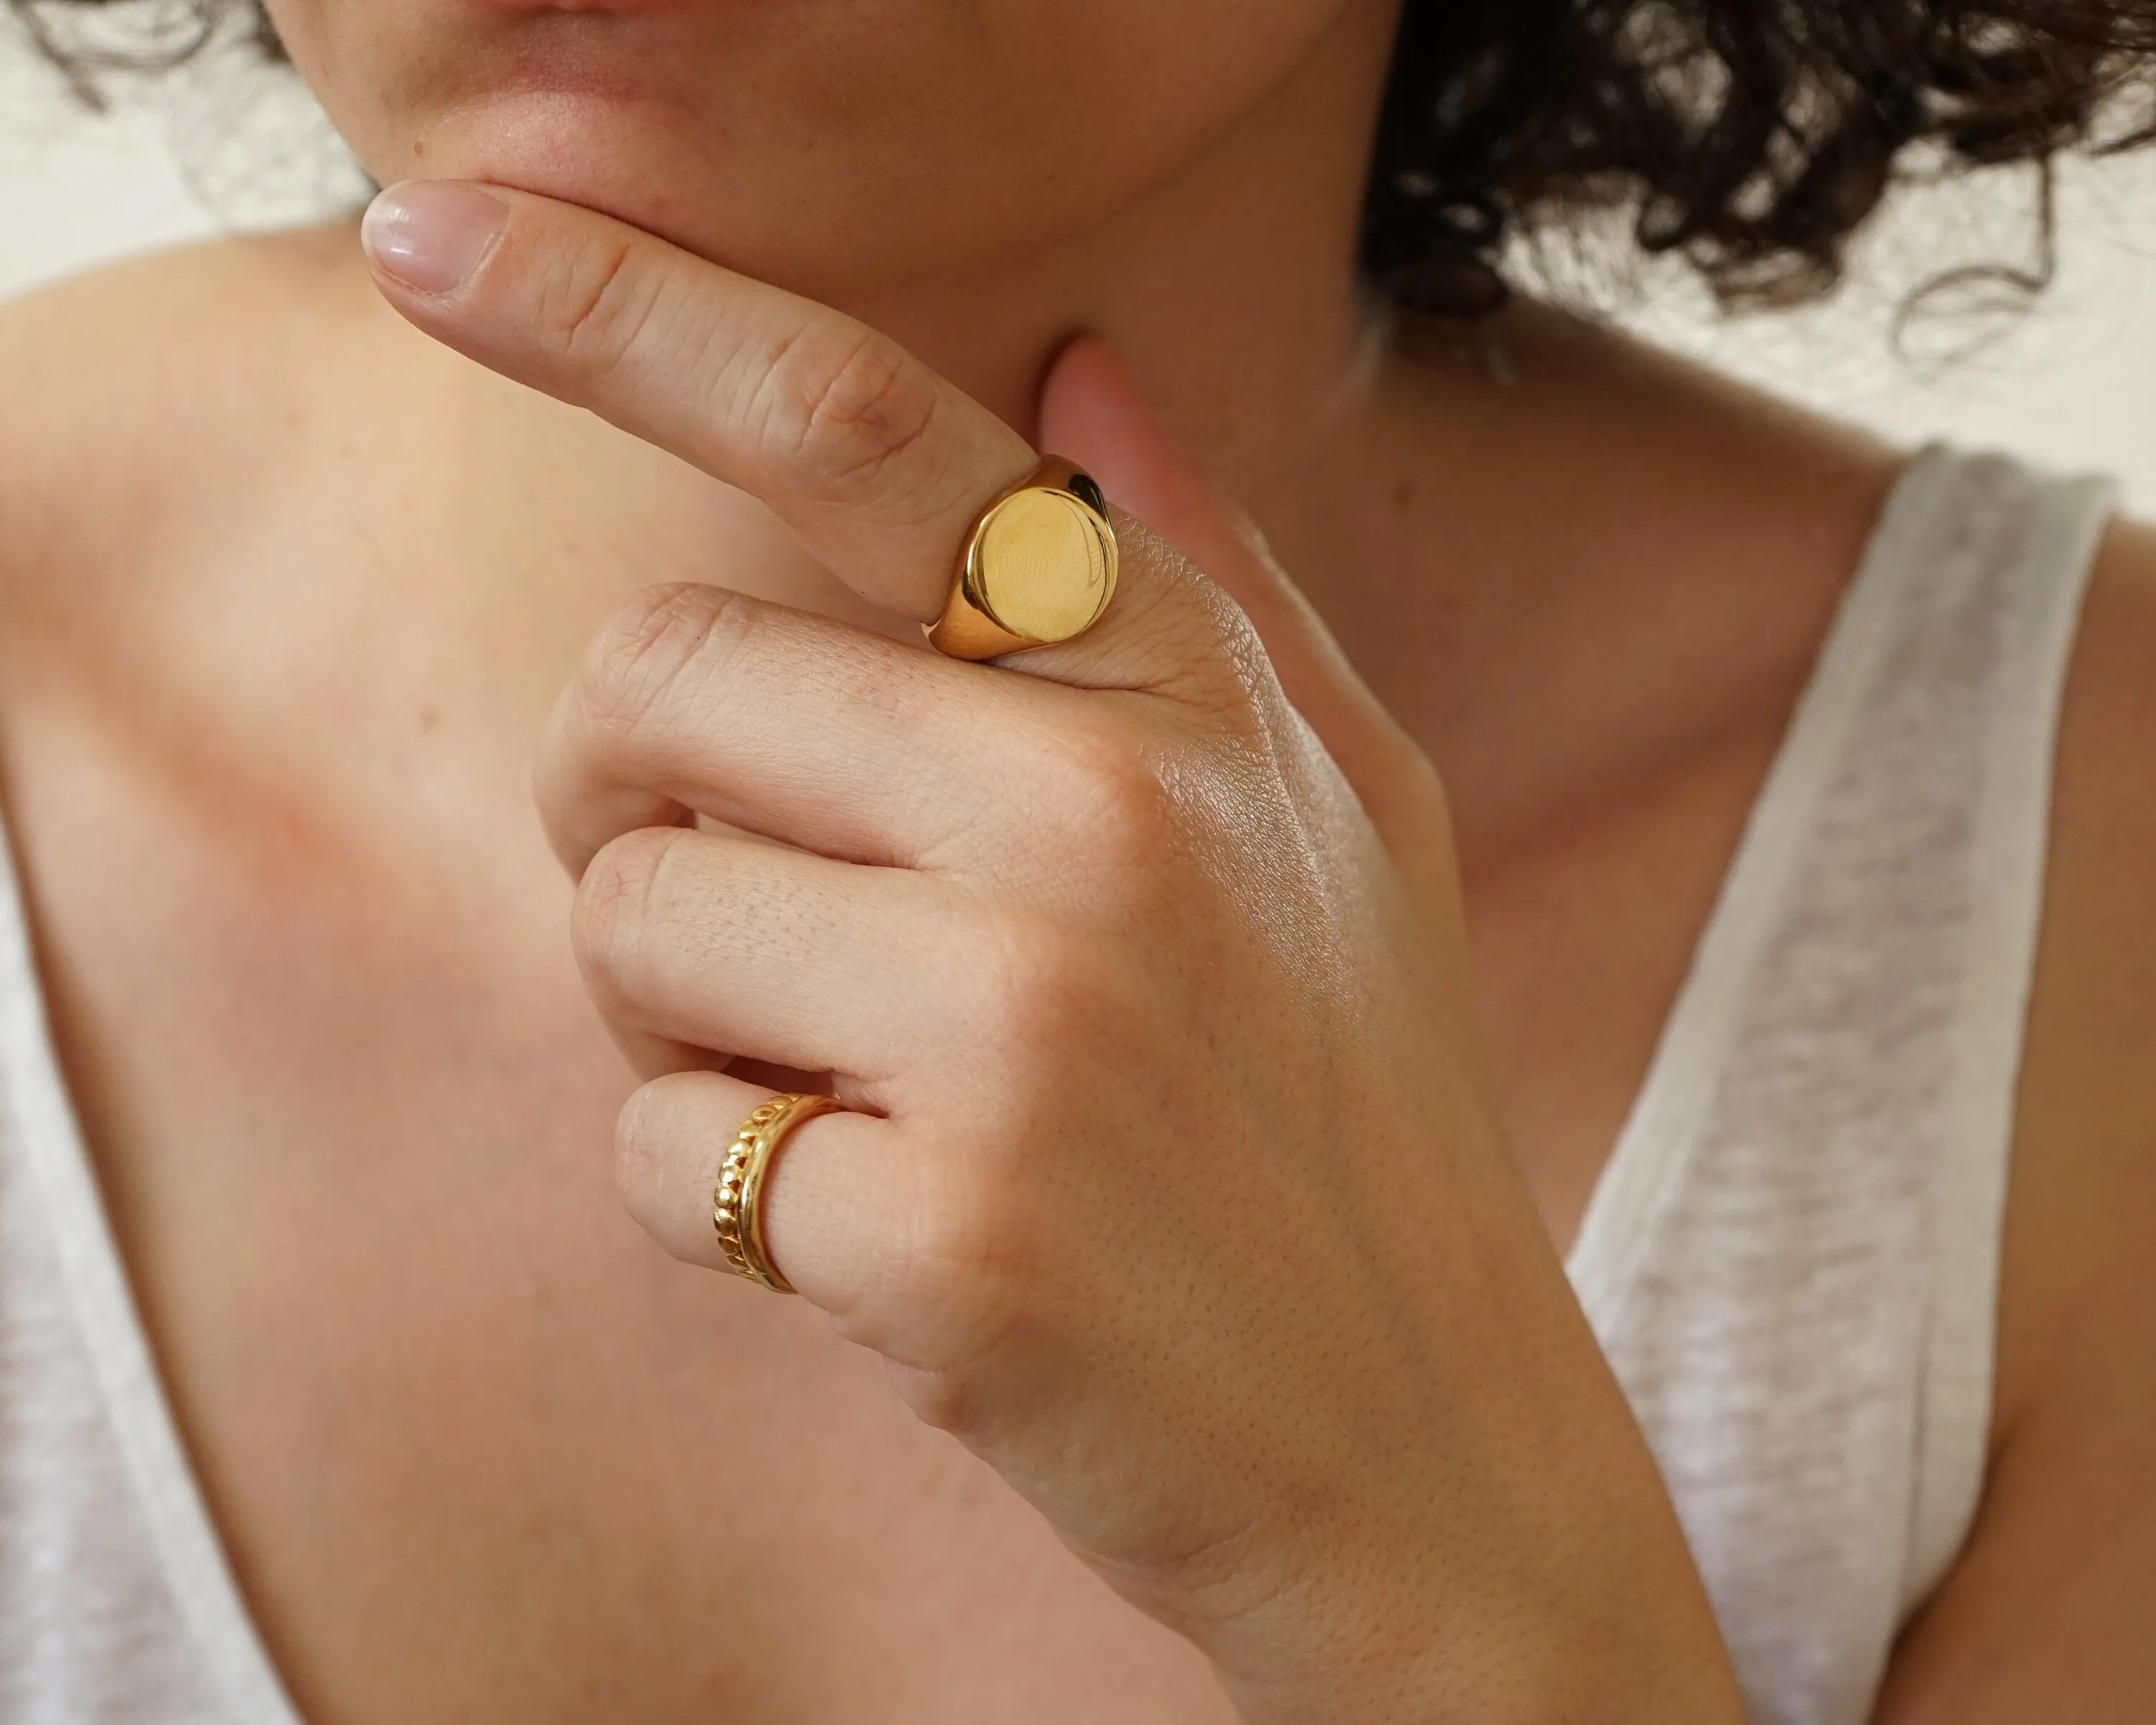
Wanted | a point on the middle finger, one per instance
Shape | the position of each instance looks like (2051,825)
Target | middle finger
(782,723)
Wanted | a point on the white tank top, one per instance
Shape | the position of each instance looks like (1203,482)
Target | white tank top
(1791,1260)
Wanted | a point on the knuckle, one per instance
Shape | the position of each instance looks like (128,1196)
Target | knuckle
(640,1148)
(1191,621)
(1220,632)
(597,303)
(841,403)
(950,1269)
(661,657)
(661,1134)
(1235,637)
(1118,791)
(1040,981)
(951,1252)
(613,905)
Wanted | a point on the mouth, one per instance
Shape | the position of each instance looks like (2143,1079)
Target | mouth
(601,103)
(614,51)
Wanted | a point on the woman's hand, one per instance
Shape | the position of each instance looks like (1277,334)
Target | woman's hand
(1173,1189)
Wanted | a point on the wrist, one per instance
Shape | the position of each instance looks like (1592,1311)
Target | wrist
(1491,1665)
(1542,1576)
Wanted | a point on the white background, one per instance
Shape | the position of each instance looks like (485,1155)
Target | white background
(2072,383)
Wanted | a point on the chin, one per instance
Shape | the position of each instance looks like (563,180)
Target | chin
(830,225)
(613,156)
(842,148)
(591,147)
(842,219)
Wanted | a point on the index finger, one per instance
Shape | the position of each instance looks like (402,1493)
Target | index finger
(876,463)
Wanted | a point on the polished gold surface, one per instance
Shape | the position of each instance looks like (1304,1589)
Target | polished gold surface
(1040,567)
(736,1202)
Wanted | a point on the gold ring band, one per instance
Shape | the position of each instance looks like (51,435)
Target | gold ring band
(737,1201)
(1039,566)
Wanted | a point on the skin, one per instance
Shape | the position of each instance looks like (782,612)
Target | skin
(478,1448)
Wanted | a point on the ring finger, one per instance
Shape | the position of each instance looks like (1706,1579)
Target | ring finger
(836,1181)
(856,1214)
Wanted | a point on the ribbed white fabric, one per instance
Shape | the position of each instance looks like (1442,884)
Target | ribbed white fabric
(1791,1260)
(117,1605)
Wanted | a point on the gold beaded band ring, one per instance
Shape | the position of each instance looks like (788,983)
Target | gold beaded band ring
(1038,567)
(737,1203)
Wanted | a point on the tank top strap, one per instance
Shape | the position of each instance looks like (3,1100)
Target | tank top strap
(2045,533)
(1792,1258)
(117,1603)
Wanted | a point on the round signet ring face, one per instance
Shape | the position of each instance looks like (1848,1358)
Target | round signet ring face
(1039,567)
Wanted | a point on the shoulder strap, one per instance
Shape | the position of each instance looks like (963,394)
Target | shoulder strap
(1792,1260)
(2042,562)
(38,1122)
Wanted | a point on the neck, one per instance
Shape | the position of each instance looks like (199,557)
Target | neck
(1447,519)
(1229,289)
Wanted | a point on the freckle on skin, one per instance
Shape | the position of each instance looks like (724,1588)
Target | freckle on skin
(429,718)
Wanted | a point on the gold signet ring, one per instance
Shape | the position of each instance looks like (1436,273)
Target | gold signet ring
(737,1202)
(1039,567)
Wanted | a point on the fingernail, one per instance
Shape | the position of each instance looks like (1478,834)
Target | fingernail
(431,234)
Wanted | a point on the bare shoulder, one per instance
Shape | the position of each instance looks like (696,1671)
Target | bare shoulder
(2048,1612)
(2084,1193)
(137,396)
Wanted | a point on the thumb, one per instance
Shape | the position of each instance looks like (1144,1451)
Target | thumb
(1092,410)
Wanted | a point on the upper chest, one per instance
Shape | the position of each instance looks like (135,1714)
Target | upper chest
(478,1449)
(350,1114)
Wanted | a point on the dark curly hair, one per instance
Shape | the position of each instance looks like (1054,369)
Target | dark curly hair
(1752,137)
